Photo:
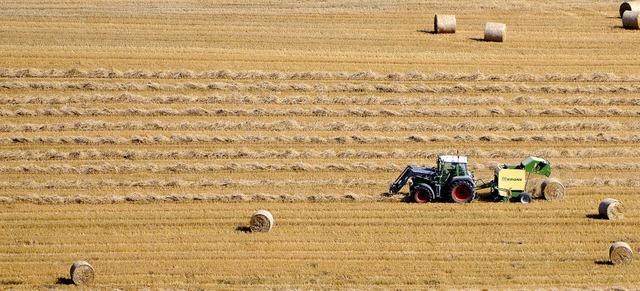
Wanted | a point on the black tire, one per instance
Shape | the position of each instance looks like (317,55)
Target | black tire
(422,193)
(524,198)
(462,191)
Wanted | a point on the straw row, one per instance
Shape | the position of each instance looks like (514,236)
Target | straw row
(320,112)
(288,125)
(235,98)
(107,168)
(318,87)
(293,153)
(344,139)
(311,75)
(91,184)
(116,168)
(152,198)
(238,197)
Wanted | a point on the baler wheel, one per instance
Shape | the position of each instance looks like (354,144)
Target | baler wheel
(524,198)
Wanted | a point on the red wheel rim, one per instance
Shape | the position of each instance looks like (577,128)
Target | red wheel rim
(461,193)
(421,196)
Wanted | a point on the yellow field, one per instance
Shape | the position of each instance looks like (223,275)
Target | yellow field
(332,245)
(141,135)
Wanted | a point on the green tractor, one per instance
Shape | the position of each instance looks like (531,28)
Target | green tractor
(450,180)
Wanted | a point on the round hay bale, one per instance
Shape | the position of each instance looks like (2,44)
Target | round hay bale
(611,209)
(630,20)
(629,6)
(552,190)
(534,187)
(81,273)
(494,31)
(444,23)
(620,253)
(261,221)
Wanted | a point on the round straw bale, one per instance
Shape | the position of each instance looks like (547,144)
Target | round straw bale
(620,253)
(552,190)
(81,273)
(611,209)
(444,23)
(261,221)
(495,31)
(630,20)
(534,187)
(629,5)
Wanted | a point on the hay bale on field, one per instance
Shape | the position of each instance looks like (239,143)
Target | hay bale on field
(630,20)
(534,187)
(494,31)
(444,23)
(552,190)
(629,6)
(611,209)
(261,221)
(81,273)
(620,253)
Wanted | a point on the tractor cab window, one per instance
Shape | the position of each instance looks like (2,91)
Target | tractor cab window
(454,169)
(447,168)
(461,169)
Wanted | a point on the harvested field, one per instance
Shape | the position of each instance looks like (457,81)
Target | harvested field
(340,244)
(150,131)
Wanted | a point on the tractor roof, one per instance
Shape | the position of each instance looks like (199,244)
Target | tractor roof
(454,159)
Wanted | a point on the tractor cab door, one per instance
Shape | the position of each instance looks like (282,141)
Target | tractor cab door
(447,171)
(450,167)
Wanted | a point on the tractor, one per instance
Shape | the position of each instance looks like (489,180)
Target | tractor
(450,180)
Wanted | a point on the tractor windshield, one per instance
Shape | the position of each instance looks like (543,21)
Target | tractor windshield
(450,170)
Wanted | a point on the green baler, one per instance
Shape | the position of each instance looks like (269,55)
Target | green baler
(510,181)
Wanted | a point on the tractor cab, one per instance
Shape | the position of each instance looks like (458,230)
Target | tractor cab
(450,167)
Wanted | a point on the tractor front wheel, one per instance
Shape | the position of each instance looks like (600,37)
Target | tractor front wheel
(462,192)
(422,194)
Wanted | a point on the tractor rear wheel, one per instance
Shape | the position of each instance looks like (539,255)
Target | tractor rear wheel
(462,191)
(422,193)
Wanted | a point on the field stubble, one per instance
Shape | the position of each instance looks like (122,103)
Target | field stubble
(318,244)
(105,168)
(325,135)
(128,139)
